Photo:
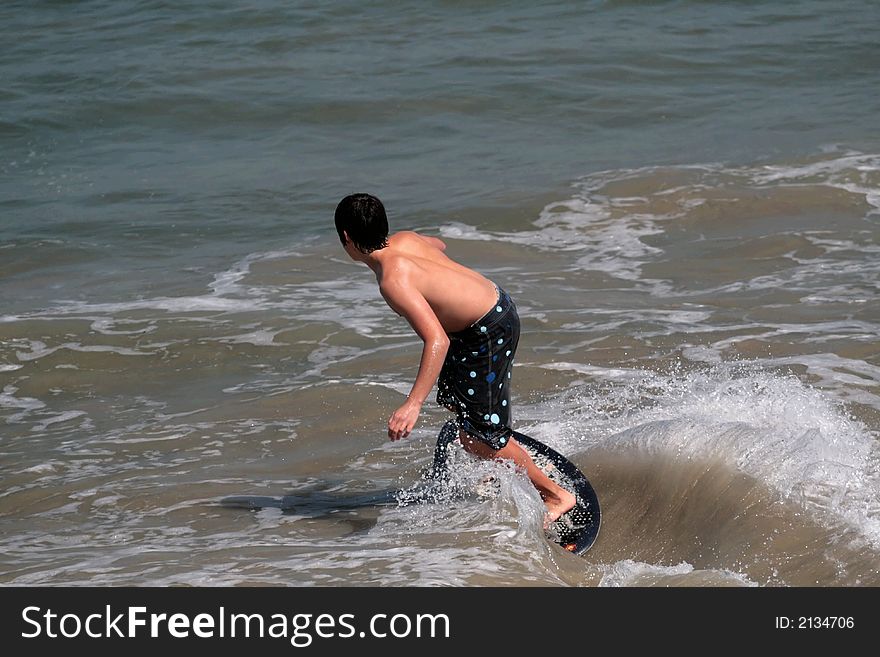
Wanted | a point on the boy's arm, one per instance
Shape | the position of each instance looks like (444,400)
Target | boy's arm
(407,301)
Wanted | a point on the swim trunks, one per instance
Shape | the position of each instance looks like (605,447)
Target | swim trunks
(475,379)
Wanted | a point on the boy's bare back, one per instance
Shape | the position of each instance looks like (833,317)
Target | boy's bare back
(439,297)
(414,265)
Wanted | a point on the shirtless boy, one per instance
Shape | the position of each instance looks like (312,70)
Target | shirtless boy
(470,329)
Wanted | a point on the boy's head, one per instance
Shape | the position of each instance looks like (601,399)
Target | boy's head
(362,218)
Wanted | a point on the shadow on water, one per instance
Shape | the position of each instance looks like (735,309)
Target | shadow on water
(323,500)
(358,511)
(353,513)
(313,504)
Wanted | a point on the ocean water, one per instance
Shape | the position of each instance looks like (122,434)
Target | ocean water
(683,198)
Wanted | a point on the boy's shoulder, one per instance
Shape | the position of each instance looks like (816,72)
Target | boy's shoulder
(398,257)
(404,236)
(410,237)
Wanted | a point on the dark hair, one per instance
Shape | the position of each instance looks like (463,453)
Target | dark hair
(363,217)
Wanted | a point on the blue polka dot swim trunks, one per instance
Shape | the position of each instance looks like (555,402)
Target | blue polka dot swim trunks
(475,379)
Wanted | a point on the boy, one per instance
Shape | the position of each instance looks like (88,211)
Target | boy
(470,329)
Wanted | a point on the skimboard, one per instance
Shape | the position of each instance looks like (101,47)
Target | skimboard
(577,529)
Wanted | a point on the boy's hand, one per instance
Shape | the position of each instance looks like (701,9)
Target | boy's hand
(403,420)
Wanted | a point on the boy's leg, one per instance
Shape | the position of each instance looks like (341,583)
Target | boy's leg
(556,498)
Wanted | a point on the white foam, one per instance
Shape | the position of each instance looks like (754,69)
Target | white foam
(609,231)
(353,303)
(396,385)
(857,173)
(611,244)
(635,573)
(846,379)
(227,283)
(148,438)
(260,338)
(40,350)
(794,438)
(107,326)
(45,423)
(461,231)
(41,468)
(26,404)
(612,373)
(183,304)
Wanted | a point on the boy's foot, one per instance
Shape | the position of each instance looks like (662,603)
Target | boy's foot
(558,505)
